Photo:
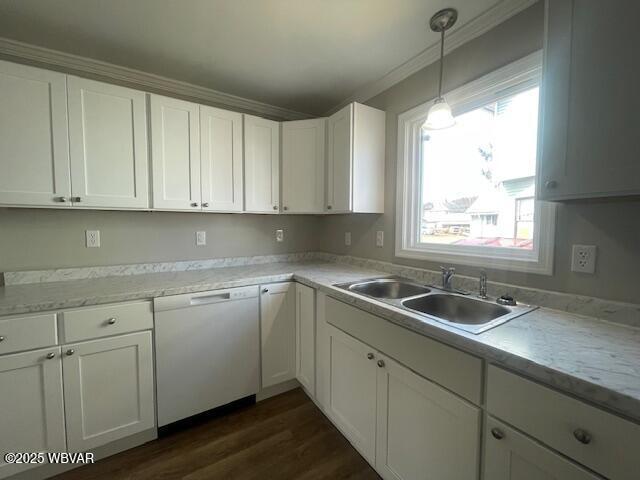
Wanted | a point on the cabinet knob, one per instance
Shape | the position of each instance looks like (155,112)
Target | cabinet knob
(2,339)
(265,290)
(70,352)
(381,363)
(111,321)
(275,207)
(285,208)
(582,436)
(205,204)
(370,356)
(551,184)
(60,199)
(497,433)
(51,355)
(76,199)
(194,204)
(329,207)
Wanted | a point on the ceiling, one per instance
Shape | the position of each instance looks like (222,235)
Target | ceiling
(303,55)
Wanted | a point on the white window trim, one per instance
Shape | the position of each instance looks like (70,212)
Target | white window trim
(503,82)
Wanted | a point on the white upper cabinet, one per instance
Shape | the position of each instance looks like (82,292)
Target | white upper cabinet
(175,154)
(355,160)
(108,145)
(589,128)
(261,165)
(34,147)
(303,160)
(221,160)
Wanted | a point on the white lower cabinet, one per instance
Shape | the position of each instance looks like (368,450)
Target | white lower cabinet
(424,432)
(306,337)
(31,406)
(510,455)
(108,389)
(277,332)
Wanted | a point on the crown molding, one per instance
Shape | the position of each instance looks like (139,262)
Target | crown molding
(83,66)
(470,30)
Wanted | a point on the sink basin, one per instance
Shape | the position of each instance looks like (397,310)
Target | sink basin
(388,288)
(456,309)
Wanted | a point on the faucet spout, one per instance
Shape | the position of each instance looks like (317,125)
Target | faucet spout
(447,276)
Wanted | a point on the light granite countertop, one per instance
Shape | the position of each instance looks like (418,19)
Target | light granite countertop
(594,360)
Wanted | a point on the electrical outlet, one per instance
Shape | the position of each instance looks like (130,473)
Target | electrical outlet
(347,238)
(201,239)
(583,258)
(379,238)
(93,238)
(279,235)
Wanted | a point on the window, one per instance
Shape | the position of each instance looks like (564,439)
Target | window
(467,194)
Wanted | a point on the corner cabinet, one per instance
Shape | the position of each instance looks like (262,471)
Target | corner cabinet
(261,165)
(356,160)
(306,337)
(589,123)
(303,161)
(108,145)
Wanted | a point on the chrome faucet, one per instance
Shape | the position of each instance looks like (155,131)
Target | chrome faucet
(482,293)
(447,276)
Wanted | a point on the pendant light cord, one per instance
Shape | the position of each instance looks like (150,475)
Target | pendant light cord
(441,63)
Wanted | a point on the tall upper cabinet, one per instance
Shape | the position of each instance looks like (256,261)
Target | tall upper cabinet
(355,160)
(261,165)
(34,146)
(108,145)
(589,128)
(303,160)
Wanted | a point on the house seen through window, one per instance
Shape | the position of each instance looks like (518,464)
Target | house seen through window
(478,177)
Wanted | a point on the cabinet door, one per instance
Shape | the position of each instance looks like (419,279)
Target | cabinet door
(352,391)
(261,165)
(175,153)
(277,331)
(108,389)
(34,146)
(339,155)
(423,428)
(303,160)
(510,455)
(589,140)
(221,159)
(305,337)
(31,408)
(108,145)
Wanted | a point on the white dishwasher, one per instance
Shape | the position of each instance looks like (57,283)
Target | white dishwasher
(207,348)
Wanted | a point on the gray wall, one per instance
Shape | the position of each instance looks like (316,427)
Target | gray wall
(612,226)
(42,239)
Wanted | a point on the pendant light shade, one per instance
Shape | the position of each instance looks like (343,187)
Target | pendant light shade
(440,115)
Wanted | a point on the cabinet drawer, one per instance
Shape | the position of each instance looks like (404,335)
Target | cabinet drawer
(562,422)
(26,333)
(106,320)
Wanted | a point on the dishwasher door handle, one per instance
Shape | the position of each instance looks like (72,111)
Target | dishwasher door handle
(186,300)
(210,298)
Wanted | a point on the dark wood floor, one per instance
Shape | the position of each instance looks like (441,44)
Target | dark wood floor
(284,437)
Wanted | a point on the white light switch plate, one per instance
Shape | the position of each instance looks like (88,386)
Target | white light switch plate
(347,238)
(201,239)
(379,238)
(93,238)
(279,235)
(583,258)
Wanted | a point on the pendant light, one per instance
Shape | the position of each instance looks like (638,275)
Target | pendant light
(440,115)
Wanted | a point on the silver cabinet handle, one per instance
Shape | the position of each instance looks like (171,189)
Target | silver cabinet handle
(194,204)
(60,199)
(370,356)
(381,363)
(111,321)
(329,207)
(582,436)
(285,208)
(275,207)
(551,184)
(51,355)
(497,433)
(205,204)
(76,199)
(2,339)
(265,290)
(70,352)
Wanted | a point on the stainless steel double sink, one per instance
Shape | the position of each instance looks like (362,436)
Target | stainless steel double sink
(458,310)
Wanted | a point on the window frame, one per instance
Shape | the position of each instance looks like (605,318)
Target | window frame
(506,81)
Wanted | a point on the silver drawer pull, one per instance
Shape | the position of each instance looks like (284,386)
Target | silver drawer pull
(194,204)
(370,356)
(111,321)
(497,433)
(381,363)
(205,204)
(2,339)
(582,436)
(70,352)
(51,355)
